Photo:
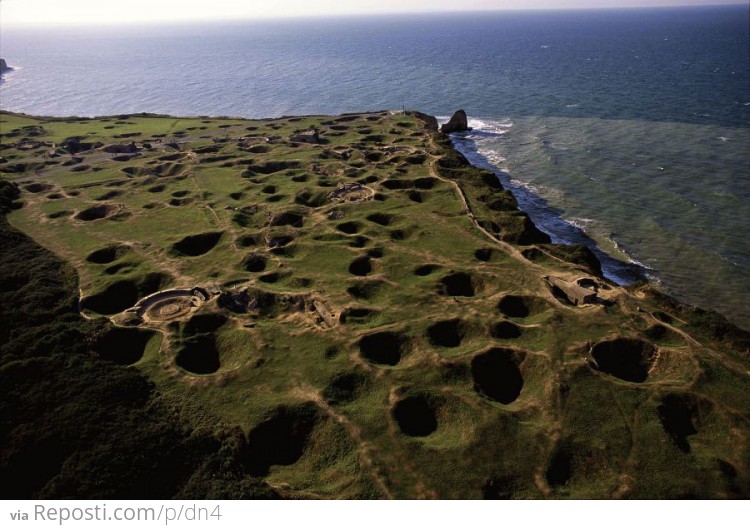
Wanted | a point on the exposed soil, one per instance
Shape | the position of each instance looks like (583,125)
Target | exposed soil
(108,254)
(497,376)
(415,416)
(383,348)
(95,212)
(361,266)
(677,414)
(123,346)
(280,439)
(448,333)
(505,330)
(624,358)
(522,306)
(457,284)
(197,244)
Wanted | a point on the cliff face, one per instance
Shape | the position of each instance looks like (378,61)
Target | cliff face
(403,328)
(430,122)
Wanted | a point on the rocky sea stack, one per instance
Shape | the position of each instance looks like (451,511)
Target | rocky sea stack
(457,123)
(3,66)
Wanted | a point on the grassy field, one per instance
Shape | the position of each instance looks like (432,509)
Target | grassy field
(374,314)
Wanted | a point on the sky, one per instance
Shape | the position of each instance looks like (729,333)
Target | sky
(115,12)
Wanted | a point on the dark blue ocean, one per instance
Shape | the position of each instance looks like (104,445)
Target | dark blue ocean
(631,127)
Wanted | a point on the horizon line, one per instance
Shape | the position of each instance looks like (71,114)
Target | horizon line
(331,16)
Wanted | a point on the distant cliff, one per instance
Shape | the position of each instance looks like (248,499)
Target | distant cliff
(3,66)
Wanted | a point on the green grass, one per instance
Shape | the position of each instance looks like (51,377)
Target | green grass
(606,430)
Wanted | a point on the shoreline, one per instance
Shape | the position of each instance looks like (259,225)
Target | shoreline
(625,274)
(560,230)
(434,299)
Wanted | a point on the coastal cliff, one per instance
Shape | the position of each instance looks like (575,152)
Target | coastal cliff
(401,327)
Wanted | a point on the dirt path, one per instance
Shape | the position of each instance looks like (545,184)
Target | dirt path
(363,448)
(506,247)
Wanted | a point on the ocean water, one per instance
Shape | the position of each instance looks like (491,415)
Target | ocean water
(628,130)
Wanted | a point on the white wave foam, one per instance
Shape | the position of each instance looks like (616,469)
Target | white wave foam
(494,126)
(630,257)
(493,156)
